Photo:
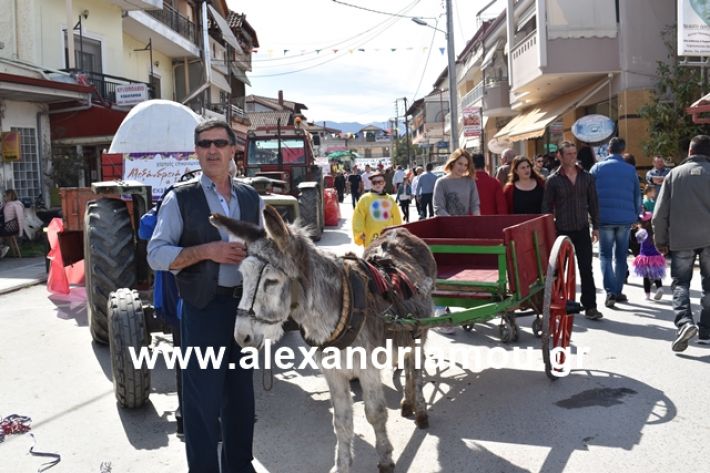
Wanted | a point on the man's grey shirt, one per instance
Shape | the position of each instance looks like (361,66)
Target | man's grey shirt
(163,246)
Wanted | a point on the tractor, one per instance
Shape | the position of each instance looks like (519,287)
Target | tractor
(285,153)
(152,149)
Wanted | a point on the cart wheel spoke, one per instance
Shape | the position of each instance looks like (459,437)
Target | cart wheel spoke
(560,287)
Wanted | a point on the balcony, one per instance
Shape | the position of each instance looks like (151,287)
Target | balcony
(496,99)
(129,5)
(171,33)
(473,96)
(105,85)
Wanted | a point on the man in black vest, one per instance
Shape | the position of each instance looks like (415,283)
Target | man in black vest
(206,264)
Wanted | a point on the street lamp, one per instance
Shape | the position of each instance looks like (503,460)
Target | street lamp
(453,98)
(85,14)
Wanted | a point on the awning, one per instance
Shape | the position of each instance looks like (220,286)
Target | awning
(533,123)
(85,125)
(240,74)
(488,59)
(220,82)
(32,89)
(223,26)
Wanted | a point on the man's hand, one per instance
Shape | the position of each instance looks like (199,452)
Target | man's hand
(663,250)
(595,236)
(226,252)
(658,180)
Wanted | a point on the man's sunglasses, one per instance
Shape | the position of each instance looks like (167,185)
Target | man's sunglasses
(208,143)
(377,181)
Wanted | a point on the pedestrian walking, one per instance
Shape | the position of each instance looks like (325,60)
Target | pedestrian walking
(656,176)
(619,206)
(339,183)
(681,226)
(490,192)
(504,169)
(425,192)
(209,283)
(570,194)
(356,185)
(404,197)
(649,198)
(525,188)
(539,166)
(456,192)
(649,264)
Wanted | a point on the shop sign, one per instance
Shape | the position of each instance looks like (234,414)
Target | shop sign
(693,27)
(10,146)
(131,94)
(593,128)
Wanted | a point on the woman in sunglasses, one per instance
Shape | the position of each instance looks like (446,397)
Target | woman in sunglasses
(375,211)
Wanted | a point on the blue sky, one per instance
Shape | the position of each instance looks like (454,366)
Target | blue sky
(351,85)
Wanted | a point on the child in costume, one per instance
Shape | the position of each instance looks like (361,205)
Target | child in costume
(650,264)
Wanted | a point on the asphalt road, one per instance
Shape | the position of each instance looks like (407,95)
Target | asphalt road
(633,405)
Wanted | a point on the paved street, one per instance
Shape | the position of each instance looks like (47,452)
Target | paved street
(632,406)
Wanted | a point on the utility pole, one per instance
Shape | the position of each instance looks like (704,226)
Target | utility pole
(453,99)
(406,128)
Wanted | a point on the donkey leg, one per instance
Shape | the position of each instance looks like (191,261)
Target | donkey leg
(407,404)
(421,418)
(342,419)
(376,413)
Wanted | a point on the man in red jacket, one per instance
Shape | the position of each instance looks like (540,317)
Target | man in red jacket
(490,192)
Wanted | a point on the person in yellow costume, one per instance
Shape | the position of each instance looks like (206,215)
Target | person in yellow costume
(375,211)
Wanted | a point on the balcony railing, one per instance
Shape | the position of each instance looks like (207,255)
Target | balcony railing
(182,25)
(473,96)
(105,84)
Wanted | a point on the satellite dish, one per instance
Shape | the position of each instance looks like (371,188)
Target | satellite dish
(497,145)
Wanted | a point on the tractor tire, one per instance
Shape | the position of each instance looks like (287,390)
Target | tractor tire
(109,259)
(311,209)
(127,328)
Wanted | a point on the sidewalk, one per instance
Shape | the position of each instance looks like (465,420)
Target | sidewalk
(18,273)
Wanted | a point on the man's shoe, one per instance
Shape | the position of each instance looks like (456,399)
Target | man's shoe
(621,298)
(685,333)
(3,251)
(610,301)
(593,314)
(659,294)
(703,337)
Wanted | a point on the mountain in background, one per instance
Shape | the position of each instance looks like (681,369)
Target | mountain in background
(353,127)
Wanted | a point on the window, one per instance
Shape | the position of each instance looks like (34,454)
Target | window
(87,54)
(266,151)
(368,153)
(26,171)
(155,87)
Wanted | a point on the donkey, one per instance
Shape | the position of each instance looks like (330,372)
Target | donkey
(286,274)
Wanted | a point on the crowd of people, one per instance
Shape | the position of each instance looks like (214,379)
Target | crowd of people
(591,202)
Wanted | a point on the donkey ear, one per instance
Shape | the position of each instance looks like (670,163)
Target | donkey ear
(276,228)
(247,231)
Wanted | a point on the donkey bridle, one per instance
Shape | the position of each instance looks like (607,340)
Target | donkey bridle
(250,313)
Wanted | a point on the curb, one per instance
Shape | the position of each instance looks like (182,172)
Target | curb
(23,285)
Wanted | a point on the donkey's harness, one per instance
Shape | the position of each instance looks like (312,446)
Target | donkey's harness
(383,278)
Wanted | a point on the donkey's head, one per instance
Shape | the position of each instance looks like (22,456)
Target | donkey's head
(271,276)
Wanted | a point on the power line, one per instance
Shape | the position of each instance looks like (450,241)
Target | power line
(382,12)
(426,63)
(356,36)
(385,25)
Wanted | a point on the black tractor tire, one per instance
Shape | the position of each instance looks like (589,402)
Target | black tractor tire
(310,205)
(127,328)
(109,259)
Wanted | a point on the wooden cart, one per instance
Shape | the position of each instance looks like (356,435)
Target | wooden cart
(507,266)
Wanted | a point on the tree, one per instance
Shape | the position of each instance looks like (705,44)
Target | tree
(399,155)
(670,127)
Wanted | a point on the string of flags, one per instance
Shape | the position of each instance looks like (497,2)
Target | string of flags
(295,53)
